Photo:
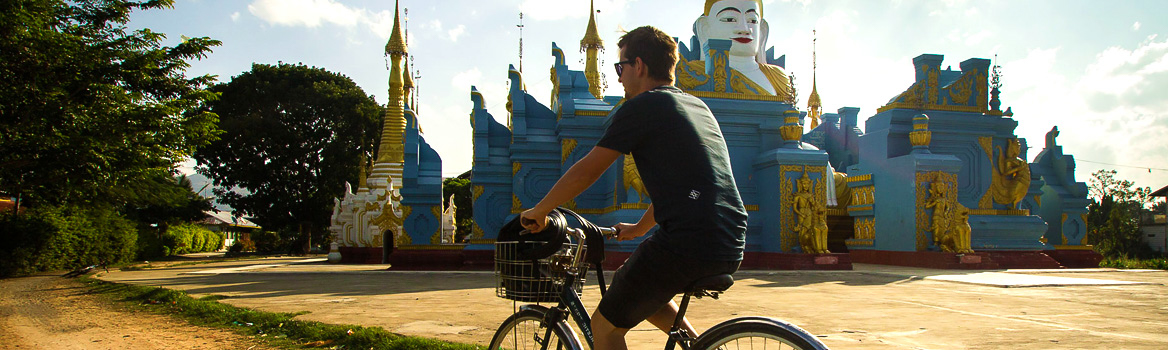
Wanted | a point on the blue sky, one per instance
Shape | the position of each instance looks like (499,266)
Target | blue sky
(1096,69)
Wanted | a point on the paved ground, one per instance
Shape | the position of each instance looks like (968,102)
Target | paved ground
(872,307)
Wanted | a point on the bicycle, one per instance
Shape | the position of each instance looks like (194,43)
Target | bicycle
(558,278)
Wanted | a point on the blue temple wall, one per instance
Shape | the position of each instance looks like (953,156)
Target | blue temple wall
(421,184)
(1063,201)
(491,172)
(839,136)
(954,102)
(514,167)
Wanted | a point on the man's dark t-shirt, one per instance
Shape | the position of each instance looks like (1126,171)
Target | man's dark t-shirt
(682,158)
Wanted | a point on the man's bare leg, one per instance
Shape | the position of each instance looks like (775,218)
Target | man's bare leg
(606,336)
(664,318)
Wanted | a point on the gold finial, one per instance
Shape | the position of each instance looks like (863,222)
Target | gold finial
(397,42)
(592,45)
(814,106)
(591,36)
(392,145)
(407,82)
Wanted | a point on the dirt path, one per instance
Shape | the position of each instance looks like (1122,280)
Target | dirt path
(51,312)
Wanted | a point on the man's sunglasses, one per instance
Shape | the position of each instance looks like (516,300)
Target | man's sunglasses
(620,67)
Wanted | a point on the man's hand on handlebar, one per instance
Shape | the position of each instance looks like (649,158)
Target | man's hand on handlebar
(533,220)
(627,231)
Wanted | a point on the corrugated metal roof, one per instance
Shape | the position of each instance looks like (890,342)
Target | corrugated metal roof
(1162,192)
(224,217)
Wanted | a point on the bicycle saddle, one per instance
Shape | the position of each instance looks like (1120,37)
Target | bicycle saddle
(716,283)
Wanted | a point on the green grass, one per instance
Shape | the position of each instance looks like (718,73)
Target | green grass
(1127,263)
(279,329)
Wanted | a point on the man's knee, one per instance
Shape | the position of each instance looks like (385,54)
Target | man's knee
(602,327)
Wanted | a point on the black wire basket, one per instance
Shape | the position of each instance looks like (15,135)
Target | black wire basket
(529,280)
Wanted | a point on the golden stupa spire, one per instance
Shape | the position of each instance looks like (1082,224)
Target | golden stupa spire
(393,128)
(592,46)
(814,106)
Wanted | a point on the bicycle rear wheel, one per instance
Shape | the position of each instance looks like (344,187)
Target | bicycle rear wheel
(757,333)
(525,330)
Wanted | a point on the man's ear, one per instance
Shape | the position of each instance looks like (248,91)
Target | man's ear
(764,31)
(641,67)
(701,28)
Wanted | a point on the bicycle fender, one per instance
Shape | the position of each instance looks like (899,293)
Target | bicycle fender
(804,334)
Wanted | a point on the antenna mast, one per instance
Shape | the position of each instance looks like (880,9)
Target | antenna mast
(520,42)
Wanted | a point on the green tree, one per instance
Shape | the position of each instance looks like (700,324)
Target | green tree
(292,136)
(1114,215)
(175,201)
(459,187)
(89,111)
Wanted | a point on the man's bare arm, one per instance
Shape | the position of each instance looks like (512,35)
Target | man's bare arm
(578,178)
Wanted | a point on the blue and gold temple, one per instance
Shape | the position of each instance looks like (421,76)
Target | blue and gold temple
(936,178)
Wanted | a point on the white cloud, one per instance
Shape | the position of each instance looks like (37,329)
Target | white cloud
(309,13)
(1136,26)
(466,78)
(544,10)
(456,32)
(235,16)
(1113,113)
(314,13)
(803,3)
(1122,77)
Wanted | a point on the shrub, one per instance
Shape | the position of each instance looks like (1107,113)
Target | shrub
(267,241)
(68,237)
(190,238)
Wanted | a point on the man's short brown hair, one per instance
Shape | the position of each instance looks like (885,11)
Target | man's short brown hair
(655,48)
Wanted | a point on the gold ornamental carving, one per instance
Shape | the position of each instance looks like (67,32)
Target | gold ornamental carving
(402,238)
(691,74)
(811,216)
(934,77)
(719,71)
(516,205)
(436,238)
(476,232)
(633,179)
(1011,175)
(805,223)
(476,191)
(986,143)
(948,220)
(566,148)
(920,137)
(962,89)
(1085,230)
(791,130)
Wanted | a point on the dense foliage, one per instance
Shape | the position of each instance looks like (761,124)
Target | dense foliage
(1114,216)
(293,136)
(91,111)
(54,238)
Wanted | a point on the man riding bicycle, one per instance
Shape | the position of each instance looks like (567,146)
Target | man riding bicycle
(684,164)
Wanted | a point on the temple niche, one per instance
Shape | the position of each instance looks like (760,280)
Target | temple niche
(938,177)
(398,202)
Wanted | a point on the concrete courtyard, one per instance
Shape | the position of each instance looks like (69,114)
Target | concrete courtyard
(871,307)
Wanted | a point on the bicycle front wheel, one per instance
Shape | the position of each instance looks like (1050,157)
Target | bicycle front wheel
(756,334)
(526,330)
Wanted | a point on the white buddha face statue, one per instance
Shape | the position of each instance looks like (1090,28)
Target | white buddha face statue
(739,21)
